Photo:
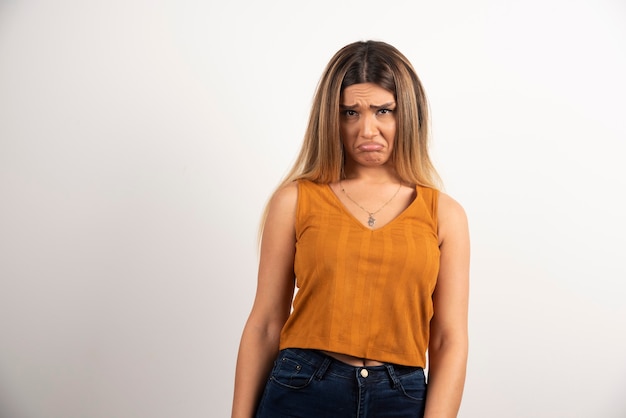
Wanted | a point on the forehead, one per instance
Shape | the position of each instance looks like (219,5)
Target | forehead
(366,92)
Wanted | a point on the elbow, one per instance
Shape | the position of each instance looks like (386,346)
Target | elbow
(453,343)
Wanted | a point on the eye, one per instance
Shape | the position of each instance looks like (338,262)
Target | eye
(350,113)
(385,111)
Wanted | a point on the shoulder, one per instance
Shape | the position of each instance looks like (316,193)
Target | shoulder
(280,213)
(285,197)
(449,208)
(451,216)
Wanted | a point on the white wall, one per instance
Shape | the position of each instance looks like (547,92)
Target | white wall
(139,141)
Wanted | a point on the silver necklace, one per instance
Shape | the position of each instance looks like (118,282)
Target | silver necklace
(371,221)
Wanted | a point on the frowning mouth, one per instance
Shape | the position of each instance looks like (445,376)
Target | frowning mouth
(370,146)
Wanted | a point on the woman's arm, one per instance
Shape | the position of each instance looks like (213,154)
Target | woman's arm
(447,351)
(272,304)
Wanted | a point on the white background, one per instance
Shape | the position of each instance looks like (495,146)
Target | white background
(139,141)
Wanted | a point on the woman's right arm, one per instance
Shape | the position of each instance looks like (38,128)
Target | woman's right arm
(272,304)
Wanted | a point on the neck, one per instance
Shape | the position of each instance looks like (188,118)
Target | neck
(373,175)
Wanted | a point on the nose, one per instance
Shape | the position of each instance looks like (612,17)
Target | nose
(368,125)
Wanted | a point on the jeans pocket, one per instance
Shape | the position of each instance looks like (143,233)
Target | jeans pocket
(291,371)
(413,385)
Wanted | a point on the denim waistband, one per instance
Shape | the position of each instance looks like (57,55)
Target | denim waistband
(327,364)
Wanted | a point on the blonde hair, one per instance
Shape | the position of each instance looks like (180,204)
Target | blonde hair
(321,157)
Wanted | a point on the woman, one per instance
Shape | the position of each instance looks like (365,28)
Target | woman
(379,255)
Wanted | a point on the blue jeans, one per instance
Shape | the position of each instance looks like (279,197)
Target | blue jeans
(310,384)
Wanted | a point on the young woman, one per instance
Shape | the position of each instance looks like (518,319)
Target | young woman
(379,255)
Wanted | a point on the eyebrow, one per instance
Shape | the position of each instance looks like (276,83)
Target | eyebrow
(376,107)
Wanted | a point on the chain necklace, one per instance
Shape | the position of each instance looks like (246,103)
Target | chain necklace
(371,221)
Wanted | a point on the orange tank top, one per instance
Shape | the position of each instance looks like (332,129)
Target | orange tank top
(362,292)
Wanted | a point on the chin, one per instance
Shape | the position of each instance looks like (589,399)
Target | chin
(376,161)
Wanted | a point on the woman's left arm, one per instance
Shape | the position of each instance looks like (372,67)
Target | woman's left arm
(447,350)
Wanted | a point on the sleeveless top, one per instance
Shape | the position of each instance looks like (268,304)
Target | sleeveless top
(362,292)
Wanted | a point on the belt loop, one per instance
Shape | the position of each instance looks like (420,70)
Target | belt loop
(392,375)
(320,372)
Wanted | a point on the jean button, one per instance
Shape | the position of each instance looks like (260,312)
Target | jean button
(364,373)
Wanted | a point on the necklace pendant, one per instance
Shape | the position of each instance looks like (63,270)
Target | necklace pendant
(371,221)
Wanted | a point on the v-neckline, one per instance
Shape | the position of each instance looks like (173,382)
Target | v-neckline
(347,212)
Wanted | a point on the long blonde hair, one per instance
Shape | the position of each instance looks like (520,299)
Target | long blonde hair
(321,157)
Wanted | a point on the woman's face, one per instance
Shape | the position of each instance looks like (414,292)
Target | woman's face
(367,124)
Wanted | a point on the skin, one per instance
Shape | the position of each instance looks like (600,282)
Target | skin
(275,287)
(368,128)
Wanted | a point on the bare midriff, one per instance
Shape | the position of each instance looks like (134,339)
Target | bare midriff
(353,361)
